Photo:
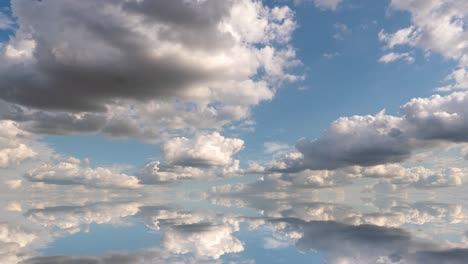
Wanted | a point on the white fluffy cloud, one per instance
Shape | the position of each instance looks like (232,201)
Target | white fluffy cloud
(208,155)
(14,146)
(437,26)
(145,69)
(202,151)
(13,242)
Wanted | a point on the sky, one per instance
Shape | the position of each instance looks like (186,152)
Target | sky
(224,100)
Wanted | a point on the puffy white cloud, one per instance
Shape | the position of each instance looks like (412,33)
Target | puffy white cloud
(13,144)
(13,242)
(202,151)
(205,155)
(143,69)
(437,26)
(72,172)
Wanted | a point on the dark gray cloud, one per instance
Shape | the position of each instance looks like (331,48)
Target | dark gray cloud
(115,67)
(146,256)
(341,243)
(77,76)
(380,139)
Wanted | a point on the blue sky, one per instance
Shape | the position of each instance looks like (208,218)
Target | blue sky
(222,101)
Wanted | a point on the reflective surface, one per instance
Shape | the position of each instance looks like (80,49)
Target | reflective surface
(168,225)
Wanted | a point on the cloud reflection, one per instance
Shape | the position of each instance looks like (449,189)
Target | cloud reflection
(404,230)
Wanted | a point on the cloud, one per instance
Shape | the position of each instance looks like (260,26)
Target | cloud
(341,243)
(202,240)
(202,151)
(130,69)
(151,255)
(5,21)
(371,140)
(14,145)
(13,184)
(342,31)
(331,55)
(14,242)
(275,147)
(202,156)
(392,56)
(354,233)
(322,4)
(356,140)
(436,26)
(72,171)
(438,117)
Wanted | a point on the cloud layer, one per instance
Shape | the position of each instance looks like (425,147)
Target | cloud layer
(117,66)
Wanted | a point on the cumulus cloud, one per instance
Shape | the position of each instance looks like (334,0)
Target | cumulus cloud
(14,241)
(142,68)
(72,171)
(205,156)
(356,140)
(14,144)
(202,151)
(436,26)
(379,139)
